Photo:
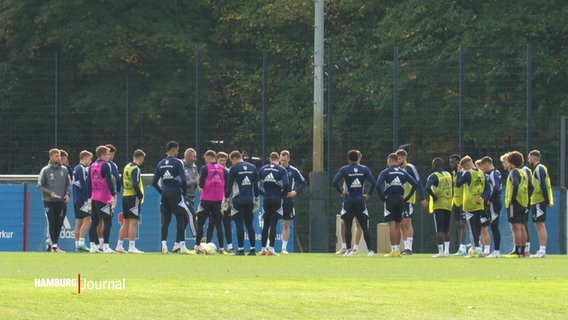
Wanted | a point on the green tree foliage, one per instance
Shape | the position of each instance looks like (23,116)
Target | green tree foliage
(102,43)
(93,59)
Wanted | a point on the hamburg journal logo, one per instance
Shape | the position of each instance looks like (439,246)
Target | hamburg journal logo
(81,283)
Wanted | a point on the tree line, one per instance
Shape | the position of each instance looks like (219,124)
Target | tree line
(162,58)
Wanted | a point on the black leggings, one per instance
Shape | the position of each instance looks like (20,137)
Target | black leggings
(244,217)
(474,224)
(272,213)
(356,209)
(211,210)
(226,219)
(174,202)
(496,233)
(55,214)
(181,222)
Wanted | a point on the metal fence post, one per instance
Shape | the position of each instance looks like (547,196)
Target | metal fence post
(529,96)
(127,117)
(264,100)
(461,102)
(563,223)
(329,110)
(328,157)
(395,104)
(197,93)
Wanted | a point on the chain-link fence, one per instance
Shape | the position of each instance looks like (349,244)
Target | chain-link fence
(476,101)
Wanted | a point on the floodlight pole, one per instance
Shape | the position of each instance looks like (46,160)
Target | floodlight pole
(317,164)
(319,225)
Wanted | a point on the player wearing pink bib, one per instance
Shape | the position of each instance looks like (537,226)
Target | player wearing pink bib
(101,190)
(212,185)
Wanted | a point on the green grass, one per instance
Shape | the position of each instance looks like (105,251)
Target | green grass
(297,286)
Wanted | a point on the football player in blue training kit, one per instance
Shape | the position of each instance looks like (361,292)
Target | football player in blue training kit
(354,175)
(391,188)
(242,185)
(297,184)
(273,185)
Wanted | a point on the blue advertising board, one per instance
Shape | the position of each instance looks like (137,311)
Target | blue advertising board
(148,237)
(11,217)
(17,200)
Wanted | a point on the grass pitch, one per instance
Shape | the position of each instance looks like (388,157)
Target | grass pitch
(296,286)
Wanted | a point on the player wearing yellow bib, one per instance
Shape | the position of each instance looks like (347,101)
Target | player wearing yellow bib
(517,201)
(439,186)
(529,174)
(475,192)
(132,198)
(484,236)
(507,168)
(539,200)
(457,212)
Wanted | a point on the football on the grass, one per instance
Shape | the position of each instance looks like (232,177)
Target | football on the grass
(208,248)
